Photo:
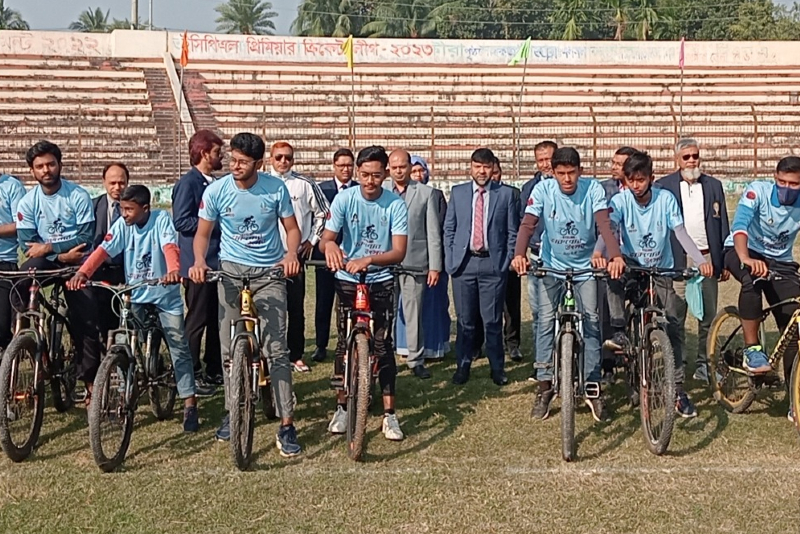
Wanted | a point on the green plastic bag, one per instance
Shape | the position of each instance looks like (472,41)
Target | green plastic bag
(694,297)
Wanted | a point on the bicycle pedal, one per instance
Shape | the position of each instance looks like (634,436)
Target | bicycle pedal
(591,390)
(337,382)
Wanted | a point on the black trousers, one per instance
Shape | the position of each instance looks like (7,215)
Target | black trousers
(750,301)
(107,317)
(202,315)
(6,310)
(325,296)
(512,316)
(296,316)
(82,313)
(609,359)
(382,303)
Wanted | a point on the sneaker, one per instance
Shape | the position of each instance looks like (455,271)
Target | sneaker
(191,419)
(215,380)
(300,367)
(755,360)
(223,433)
(391,428)
(701,373)
(286,441)
(338,424)
(608,378)
(790,416)
(203,389)
(541,406)
(684,406)
(619,341)
(532,378)
(516,355)
(598,409)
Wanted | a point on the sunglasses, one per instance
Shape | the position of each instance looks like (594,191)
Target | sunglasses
(281,157)
(687,157)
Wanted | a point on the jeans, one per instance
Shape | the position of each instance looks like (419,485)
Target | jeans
(550,298)
(269,298)
(710,290)
(534,290)
(173,328)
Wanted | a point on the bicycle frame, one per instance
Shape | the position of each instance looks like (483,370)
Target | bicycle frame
(646,315)
(361,321)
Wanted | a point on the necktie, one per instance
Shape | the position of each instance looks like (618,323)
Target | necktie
(115,213)
(477,227)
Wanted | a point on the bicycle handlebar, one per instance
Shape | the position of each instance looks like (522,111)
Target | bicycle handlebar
(658,271)
(124,288)
(395,269)
(275,273)
(39,273)
(541,271)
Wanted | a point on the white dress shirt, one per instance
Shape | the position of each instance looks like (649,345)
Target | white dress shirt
(310,206)
(694,213)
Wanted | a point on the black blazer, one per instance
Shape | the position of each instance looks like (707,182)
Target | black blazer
(100,207)
(330,189)
(525,194)
(186,197)
(716,216)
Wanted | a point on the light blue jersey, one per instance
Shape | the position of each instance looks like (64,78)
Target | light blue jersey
(248,219)
(770,228)
(145,259)
(367,227)
(568,220)
(11,192)
(645,230)
(57,217)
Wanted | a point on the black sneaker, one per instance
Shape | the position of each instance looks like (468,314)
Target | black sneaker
(191,419)
(684,406)
(598,409)
(215,380)
(202,389)
(541,406)
(619,341)
(286,441)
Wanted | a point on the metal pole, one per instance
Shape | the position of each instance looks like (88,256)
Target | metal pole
(519,117)
(681,127)
(181,136)
(151,15)
(134,14)
(352,108)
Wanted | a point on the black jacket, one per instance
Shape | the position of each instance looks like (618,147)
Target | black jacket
(330,189)
(100,206)
(186,197)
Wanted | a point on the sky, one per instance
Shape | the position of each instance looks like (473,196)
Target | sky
(195,15)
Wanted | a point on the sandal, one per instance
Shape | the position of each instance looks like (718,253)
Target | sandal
(300,367)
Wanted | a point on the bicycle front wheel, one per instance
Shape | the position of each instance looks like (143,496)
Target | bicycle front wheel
(162,389)
(63,367)
(242,404)
(729,381)
(567,393)
(794,392)
(657,392)
(111,411)
(21,399)
(359,379)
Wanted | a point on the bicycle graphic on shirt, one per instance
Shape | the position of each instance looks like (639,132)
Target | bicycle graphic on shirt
(569,230)
(370,233)
(647,241)
(145,262)
(57,227)
(248,225)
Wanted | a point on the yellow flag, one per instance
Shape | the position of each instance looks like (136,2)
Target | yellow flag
(347,50)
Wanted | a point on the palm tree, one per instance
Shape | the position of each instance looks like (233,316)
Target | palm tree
(91,21)
(619,20)
(246,17)
(644,16)
(11,19)
(324,18)
(574,19)
(393,19)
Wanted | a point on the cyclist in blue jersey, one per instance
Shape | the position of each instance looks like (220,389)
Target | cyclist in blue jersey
(249,206)
(374,226)
(644,216)
(763,234)
(151,251)
(11,192)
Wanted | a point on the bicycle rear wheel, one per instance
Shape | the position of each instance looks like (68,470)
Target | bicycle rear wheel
(111,411)
(794,392)
(242,404)
(657,392)
(162,389)
(63,368)
(567,393)
(359,379)
(21,399)
(729,381)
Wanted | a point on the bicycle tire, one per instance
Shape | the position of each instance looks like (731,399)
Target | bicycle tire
(63,378)
(162,393)
(101,407)
(23,346)
(267,397)
(358,398)
(794,392)
(242,409)
(567,393)
(717,365)
(655,387)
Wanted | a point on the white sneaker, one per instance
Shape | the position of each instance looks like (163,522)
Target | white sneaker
(701,373)
(391,428)
(338,424)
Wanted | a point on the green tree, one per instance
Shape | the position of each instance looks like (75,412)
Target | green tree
(619,17)
(246,17)
(400,19)
(325,18)
(643,17)
(91,21)
(11,19)
(575,19)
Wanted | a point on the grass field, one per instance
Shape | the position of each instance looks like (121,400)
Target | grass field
(473,461)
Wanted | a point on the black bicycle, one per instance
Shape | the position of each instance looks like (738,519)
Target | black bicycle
(649,360)
(41,350)
(137,361)
(568,353)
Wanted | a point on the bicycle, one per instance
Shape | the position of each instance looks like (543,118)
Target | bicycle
(649,360)
(57,227)
(647,242)
(570,230)
(370,233)
(249,374)
(568,356)
(127,371)
(360,362)
(733,386)
(248,225)
(37,353)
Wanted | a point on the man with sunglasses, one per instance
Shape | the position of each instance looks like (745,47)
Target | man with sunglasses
(702,203)
(311,210)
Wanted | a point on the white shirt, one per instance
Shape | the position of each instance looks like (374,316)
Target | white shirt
(340,186)
(208,178)
(310,207)
(110,210)
(694,213)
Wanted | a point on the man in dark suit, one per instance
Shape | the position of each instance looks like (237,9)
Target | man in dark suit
(106,211)
(202,304)
(702,202)
(343,162)
(480,233)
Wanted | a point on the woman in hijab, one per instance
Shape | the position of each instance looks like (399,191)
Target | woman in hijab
(436,306)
